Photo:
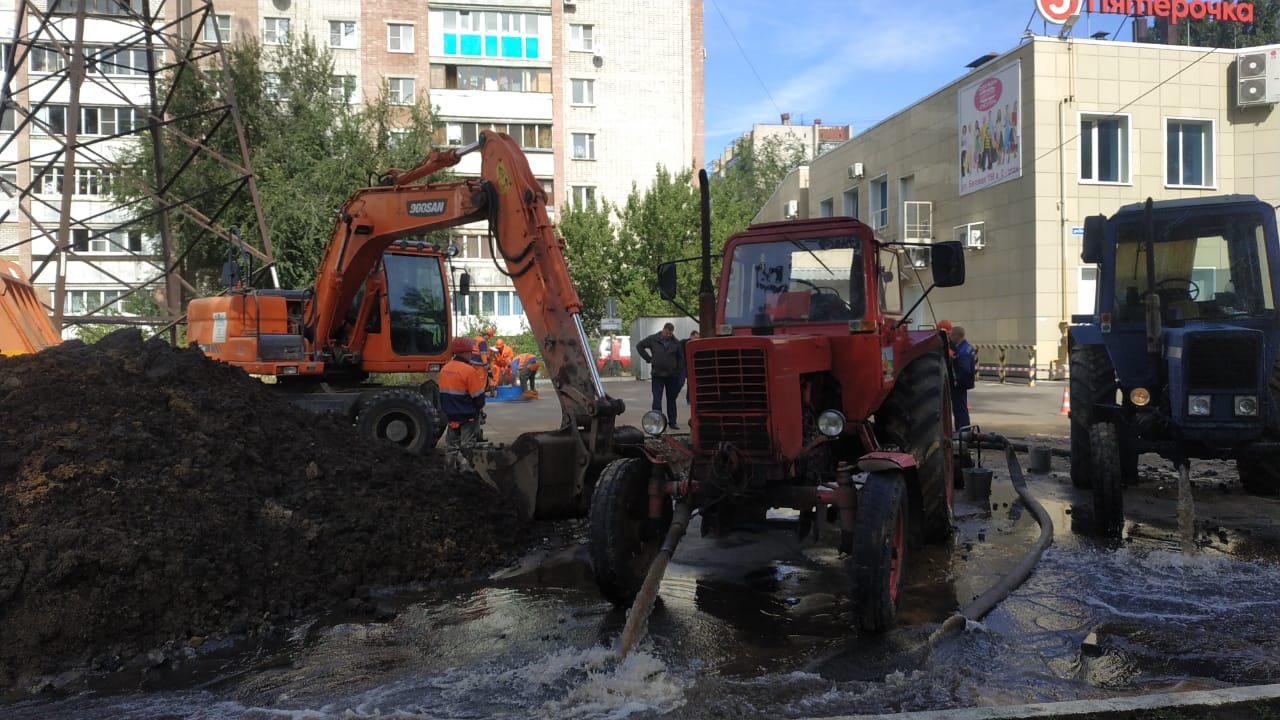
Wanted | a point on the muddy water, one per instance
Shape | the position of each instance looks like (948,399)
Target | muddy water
(756,625)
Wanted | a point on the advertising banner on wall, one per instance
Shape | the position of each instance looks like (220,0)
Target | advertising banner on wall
(990,133)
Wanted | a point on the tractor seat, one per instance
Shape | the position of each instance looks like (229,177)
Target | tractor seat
(787,306)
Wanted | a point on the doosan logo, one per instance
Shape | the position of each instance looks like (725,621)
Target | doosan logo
(426,208)
(1059,12)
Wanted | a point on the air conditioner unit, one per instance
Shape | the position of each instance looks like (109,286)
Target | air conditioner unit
(918,257)
(791,210)
(1258,78)
(855,171)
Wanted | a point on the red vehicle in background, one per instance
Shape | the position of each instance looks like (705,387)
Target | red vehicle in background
(615,355)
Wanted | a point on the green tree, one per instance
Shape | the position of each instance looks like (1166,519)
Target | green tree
(658,225)
(309,151)
(590,252)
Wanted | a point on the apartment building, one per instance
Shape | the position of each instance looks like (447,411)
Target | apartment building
(1081,127)
(599,94)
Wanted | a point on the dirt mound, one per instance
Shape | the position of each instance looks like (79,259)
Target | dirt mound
(150,497)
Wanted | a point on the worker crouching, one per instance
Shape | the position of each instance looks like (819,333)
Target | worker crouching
(462,391)
(527,372)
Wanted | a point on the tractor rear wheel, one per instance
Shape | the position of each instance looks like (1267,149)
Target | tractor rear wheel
(1093,380)
(912,418)
(878,557)
(624,540)
(402,417)
(1104,463)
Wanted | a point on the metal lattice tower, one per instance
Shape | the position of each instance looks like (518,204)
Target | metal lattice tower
(84,79)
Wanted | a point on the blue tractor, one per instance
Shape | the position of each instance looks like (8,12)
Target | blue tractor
(1179,355)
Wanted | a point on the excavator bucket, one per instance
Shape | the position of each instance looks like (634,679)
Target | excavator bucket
(549,474)
(24,326)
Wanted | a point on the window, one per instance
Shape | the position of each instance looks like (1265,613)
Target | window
(400,91)
(584,195)
(490,34)
(528,135)
(502,79)
(93,181)
(342,34)
(217,28)
(50,119)
(1104,148)
(49,181)
(275,31)
(271,81)
(106,241)
(47,59)
(97,7)
(581,38)
(584,146)
(399,38)
(125,63)
(1189,153)
(342,88)
(880,203)
(8,121)
(827,208)
(583,91)
(851,203)
(80,302)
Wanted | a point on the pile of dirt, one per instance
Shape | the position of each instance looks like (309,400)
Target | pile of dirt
(152,499)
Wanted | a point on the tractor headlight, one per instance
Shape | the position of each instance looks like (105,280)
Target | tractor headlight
(1140,396)
(831,423)
(1199,405)
(653,422)
(1246,405)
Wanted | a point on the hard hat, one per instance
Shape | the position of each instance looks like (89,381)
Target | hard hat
(944,325)
(461,345)
(488,332)
(498,343)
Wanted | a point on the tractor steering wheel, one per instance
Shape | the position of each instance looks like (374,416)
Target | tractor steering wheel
(1188,286)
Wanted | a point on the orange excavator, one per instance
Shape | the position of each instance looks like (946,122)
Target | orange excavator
(380,304)
(24,324)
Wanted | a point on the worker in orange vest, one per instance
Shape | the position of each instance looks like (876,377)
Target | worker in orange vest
(462,401)
(483,357)
(526,365)
(502,356)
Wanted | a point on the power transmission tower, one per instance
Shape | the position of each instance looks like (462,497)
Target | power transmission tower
(86,83)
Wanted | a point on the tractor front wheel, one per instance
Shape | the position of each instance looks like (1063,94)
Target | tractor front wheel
(623,538)
(912,418)
(1104,464)
(878,558)
(402,417)
(1093,380)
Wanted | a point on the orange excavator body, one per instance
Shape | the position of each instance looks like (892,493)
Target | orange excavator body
(24,325)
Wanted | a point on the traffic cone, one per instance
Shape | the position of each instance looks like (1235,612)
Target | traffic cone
(1066,403)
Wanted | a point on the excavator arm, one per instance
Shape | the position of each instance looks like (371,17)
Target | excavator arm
(550,473)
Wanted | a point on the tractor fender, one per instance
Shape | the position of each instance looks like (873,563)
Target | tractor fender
(1085,335)
(880,460)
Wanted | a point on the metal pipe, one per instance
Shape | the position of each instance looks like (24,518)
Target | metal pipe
(643,604)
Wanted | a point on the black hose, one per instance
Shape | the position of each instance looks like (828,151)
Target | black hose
(985,602)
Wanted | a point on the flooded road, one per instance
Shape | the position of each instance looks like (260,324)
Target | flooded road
(757,625)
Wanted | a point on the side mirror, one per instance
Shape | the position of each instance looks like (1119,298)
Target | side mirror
(1095,232)
(464,284)
(947,260)
(667,281)
(230,274)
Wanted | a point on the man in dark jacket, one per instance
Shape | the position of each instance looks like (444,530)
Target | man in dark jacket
(965,372)
(665,356)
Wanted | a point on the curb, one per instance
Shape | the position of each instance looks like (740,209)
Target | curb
(1191,704)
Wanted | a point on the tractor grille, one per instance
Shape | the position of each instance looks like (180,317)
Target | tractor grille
(731,394)
(1222,362)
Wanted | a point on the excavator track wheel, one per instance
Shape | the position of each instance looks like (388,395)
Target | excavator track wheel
(402,417)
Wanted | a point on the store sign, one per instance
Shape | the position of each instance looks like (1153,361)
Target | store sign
(1059,12)
(1063,12)
(990,138)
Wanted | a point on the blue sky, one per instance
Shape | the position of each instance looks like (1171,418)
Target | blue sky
(849,62)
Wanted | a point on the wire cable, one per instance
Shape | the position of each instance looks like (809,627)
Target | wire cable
(746,57)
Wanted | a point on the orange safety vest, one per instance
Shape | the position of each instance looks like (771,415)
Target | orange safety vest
(460,385)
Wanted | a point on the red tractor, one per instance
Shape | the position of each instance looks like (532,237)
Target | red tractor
(809,391)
